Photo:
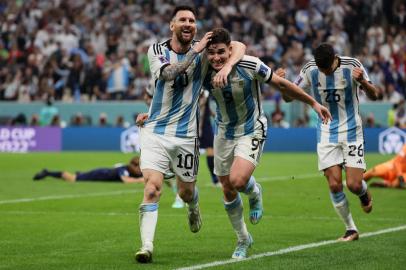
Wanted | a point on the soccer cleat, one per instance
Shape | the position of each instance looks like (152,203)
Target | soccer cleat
(41,175)
(143,256)
(195,220)
(350,235)
(256,207)
(241,250)
(178,203)
(366,202)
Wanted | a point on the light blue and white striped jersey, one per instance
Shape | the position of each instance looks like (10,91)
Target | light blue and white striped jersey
(239,110)
(174,106)
(339,93)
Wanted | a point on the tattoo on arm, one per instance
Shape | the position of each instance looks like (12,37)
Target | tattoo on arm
(170,72)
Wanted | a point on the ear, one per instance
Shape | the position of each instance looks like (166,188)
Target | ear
(171,25)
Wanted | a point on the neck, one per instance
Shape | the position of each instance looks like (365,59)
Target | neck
(179,47)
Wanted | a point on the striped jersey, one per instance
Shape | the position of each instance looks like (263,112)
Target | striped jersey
(239,111)
(339,93)
(174,107)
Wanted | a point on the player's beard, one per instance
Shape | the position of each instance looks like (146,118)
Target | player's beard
(184,41)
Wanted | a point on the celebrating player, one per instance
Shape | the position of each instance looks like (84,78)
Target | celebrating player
(169,136)
(241,130)
(334,81)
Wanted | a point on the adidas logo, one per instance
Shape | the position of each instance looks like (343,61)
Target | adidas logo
(186,174)
(252,156)
(359,161)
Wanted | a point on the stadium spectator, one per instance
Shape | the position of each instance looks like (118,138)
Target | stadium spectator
(47,113)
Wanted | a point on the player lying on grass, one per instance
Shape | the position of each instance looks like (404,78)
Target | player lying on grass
(129,173)
(393,172)
(241,128)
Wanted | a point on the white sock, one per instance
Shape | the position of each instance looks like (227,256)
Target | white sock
(251,188)
(341,206)
(234,211)
(148,220)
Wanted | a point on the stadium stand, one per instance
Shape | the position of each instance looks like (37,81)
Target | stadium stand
(95,51)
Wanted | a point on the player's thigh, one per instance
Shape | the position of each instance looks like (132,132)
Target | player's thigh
(329,155)
(184,156)
(223,155)
(154,152)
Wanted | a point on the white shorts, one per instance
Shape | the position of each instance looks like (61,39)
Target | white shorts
(247,147)
(349,154)
(164,154)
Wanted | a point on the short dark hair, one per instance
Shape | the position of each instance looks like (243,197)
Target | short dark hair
(183,7)
(220,35)
(324,55)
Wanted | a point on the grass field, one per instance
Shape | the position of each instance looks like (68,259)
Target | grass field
(56,225)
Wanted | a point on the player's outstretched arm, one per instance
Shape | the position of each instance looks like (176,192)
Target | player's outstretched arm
(170,72)
(237,52)
(282,73)
(129,179)
(293,91)
(371,91)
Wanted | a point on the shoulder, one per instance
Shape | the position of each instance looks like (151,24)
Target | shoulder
(249,62)
(309,66)
(158,47)
(349,61)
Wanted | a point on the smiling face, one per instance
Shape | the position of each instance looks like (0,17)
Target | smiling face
(218,54)
(183,26)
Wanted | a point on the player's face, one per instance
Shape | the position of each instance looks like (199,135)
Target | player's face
(183,25)
(217,55)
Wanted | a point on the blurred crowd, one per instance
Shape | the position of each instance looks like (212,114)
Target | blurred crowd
(87,50)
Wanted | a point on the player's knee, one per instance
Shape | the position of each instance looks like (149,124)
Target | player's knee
(335,186)
(354,186)
(186,195)
(238,181)
(152,192)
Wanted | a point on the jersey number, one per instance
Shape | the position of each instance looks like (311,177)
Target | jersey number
(185,162)
(180,81)
(256,143)
(354,150)
(332,96)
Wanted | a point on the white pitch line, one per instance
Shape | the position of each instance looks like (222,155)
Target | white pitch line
(68,196)
(287,250)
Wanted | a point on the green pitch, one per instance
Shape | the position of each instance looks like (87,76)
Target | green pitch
(52,224)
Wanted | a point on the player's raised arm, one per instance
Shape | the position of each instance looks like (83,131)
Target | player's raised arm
(237,52)
(370,89)
(293,91)
(169,72)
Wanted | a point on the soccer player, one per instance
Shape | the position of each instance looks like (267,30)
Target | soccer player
(335,82)
(169,136)
(241,129)
(130,173)
(206,135)
(392,172)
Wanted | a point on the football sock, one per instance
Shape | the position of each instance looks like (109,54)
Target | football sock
(148,220)
(342,208)
(210,164)
(234,211)
(56,174)
(363,196)
(251,189)
(195,199)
